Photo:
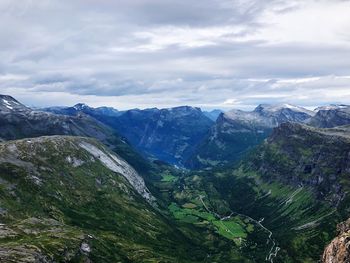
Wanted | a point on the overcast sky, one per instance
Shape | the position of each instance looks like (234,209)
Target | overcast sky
(161,53)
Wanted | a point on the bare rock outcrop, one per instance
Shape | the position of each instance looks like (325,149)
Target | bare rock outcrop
(338,251)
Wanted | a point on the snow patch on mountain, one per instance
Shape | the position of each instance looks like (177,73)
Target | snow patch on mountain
(273,108)
(80,106)
(332,107)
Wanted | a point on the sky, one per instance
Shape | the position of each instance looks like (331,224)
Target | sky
(160,53)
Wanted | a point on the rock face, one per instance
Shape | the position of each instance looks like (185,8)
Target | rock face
(118,165)
(338,251)
(297,154)
(331,116)
(11,152)
(236,131)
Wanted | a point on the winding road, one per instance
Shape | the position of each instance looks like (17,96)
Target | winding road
(274,249)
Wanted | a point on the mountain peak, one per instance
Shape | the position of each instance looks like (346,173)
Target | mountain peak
(332,107)
(8,103)
(279,107)
(331,116)
(80,106)
(185,108)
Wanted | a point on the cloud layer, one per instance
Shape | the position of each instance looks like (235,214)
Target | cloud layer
(146,53)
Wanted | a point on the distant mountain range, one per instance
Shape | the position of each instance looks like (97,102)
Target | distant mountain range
(170,134)
(186,137)
(75,185)
(18,121)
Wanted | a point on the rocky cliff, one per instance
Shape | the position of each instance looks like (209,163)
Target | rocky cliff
(338,251)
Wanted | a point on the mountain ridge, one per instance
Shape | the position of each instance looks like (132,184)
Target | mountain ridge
(236,132)
(331,116)
(168,134)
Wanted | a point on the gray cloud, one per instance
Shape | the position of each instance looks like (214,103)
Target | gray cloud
(145,53)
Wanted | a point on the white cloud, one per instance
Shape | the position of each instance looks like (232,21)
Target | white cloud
(313,21)
(145,53)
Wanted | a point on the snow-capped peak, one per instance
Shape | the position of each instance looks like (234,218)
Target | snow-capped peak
(278,107)
(8,103)
(332,107)
(80,106)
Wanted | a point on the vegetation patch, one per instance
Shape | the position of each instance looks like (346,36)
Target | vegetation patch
(232,228)
(168,177)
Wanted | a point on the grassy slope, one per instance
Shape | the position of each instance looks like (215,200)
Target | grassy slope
(51,207)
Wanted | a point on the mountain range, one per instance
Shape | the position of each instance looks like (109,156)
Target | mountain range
(236,132)
(83,184)
(170,134)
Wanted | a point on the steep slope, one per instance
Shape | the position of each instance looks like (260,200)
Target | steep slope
(18,121)
(70,199)
(331,116)
(236,131)
(297,180)
(338,251)
(300,155)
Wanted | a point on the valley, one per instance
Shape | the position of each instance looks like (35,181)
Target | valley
(162,131)
(76,189)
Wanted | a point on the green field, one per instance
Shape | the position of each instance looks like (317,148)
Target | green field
(168,177)
(233,228)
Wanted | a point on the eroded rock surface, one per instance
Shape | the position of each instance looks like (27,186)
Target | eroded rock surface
(338,251)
